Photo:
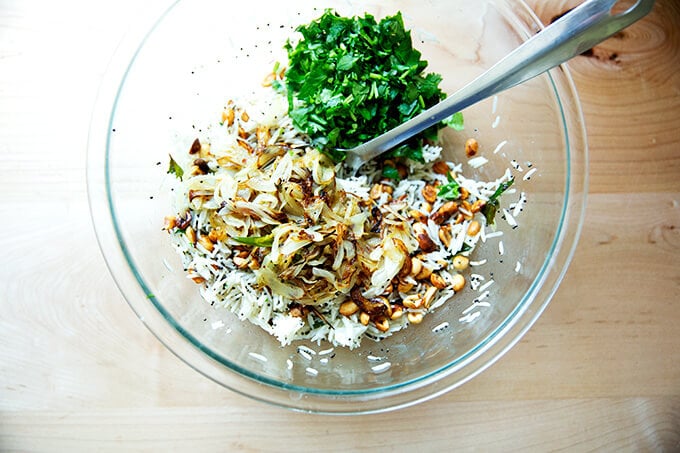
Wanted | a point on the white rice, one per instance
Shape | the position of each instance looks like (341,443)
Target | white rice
(382,367)
(238,290)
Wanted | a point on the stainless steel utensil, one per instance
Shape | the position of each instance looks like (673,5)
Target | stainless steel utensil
(572,34)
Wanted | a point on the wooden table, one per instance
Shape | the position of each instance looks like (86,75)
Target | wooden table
(78,371)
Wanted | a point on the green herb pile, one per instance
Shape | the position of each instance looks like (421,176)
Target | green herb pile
(352,79)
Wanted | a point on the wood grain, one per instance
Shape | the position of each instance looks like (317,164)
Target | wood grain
(642,424)
(600,370)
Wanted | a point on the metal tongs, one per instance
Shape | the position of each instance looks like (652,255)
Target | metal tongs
(572,34)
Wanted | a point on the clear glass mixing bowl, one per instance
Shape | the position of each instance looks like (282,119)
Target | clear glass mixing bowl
(171,75)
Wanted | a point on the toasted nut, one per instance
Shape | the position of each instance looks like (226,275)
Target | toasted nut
(473,228)
(297,311)
(418,216)
(471,147)
(429,193)
(374,307)
(376,191)
(404,287)
(406,267)
(183,221)
(217,234)
(458,282)
(364,318)
(206,243)
(429,294)
(466,209)
(397,312)
(444,212)
(245,117)
(415,318)
(388,306)
(228,116)
(382,324)
(460,262)
(388,289)
(437,281)
(477,206)
(416,266)
(190,234)
(424,241)
(241,263)
(413,302)
(424,273)
(169,222)
(243,254)
(243,134)
(253,264)
(195,147)
(198,279)
(440,167)
(445,235)
(348,308)
(427,207)
(202,165)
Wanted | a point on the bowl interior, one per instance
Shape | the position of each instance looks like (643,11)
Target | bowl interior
(200,54)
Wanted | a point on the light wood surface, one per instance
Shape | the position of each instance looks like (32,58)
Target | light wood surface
(78,372)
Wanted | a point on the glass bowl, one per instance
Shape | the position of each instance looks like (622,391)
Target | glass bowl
(173,74)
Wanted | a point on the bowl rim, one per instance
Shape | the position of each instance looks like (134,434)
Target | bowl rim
(376,399)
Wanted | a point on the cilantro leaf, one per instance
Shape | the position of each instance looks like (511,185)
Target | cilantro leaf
(501,188)
(390,172)
(450,190)
(175,169)
(350,79)
(491,207)
(455,121)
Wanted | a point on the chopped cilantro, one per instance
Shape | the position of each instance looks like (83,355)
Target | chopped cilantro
(175,169)
(449,191)
(501,188)
(455,121)
(491,207)
(352,79)
(390,172)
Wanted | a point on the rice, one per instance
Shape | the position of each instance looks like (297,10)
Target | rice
(274,232)
(382,367)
